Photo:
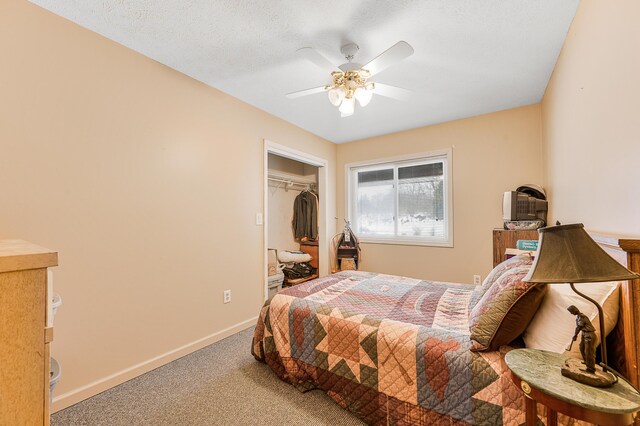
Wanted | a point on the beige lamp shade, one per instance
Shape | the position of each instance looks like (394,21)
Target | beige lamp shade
(567,254)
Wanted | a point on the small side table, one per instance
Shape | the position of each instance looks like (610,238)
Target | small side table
(537,373)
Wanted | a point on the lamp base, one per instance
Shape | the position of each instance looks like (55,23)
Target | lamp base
(575,370)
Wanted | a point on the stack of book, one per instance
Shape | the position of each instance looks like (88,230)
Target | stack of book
(522,247)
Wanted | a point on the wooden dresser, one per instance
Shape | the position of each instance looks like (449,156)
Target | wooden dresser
(504,238)
(25,305)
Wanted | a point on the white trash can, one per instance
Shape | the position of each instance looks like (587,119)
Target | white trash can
(54,378)
(275,284)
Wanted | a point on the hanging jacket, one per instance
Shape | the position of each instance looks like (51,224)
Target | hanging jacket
(305,216)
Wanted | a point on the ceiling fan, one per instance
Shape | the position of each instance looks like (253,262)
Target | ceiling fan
(350,81)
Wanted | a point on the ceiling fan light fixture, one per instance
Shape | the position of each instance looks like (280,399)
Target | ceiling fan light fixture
(336,95)
(363,96)
(347,107)
(349,80)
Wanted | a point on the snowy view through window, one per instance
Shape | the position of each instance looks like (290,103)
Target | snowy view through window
(419,197)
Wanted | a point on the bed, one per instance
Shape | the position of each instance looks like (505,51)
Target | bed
(396,350)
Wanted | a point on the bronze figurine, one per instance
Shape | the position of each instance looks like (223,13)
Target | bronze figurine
(589,340)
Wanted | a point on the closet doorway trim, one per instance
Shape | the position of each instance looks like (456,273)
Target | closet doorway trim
(323,183)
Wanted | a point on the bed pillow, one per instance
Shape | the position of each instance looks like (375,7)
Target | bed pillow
(505,310)
(552,327)
(518,261)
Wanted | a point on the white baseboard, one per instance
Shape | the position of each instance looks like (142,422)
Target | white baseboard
(76,395)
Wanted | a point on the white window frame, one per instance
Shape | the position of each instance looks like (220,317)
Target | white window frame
(443,154)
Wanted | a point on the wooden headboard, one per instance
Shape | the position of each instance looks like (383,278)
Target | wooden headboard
(622,343)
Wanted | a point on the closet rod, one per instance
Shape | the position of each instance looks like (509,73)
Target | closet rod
(291,181)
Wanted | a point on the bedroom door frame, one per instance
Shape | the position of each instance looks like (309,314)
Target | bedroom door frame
(271,147)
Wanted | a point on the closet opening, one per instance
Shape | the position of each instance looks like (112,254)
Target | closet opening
(295,231)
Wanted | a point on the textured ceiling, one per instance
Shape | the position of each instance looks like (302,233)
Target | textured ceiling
(471,56)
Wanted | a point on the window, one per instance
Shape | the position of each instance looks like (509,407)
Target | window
(402,200)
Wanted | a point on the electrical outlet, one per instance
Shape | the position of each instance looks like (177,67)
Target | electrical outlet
(477,279)
(226,296)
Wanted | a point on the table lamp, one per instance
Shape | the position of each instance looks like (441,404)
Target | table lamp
(568,255)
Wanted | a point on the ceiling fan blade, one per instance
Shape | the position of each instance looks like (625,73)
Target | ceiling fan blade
(306,92)
(312,55)
(389,57)
(391,91)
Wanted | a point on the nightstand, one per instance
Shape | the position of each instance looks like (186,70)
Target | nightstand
(537,373)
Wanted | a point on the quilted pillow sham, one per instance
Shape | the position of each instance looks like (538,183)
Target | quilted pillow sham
(505,310)
(518,261)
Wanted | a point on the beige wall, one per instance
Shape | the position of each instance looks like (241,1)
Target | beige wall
(492,153)
(591,120)
(146,181)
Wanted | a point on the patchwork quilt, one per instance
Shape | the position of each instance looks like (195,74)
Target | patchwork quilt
(392,350)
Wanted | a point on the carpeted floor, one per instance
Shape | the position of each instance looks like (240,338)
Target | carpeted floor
(221,384)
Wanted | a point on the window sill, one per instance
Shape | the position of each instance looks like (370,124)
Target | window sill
(407,242)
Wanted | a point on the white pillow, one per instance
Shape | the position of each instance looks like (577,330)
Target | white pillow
(552,327)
